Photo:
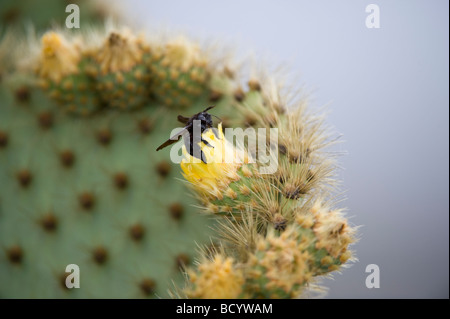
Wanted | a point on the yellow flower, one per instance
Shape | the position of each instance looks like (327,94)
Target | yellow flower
(223,161)
(216,279)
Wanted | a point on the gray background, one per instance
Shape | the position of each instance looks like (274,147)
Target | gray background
(387,90)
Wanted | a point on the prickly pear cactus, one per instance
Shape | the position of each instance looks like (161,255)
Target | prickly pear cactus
(81,116)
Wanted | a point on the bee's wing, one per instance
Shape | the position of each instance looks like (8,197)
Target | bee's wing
(183,119)
(175,138)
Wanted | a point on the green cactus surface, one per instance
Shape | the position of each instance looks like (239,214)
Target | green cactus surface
(89,191)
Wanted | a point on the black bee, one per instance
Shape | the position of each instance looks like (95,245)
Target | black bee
(203,121)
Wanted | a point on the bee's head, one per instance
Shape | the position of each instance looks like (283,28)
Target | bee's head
(206,120)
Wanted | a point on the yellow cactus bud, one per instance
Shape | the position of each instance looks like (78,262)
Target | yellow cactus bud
(333,232)
(182,54)
(284,260)
(216,279)
(58,57)
(120,52)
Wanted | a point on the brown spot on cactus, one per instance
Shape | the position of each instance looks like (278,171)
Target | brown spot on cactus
(250,120)
(176,211)
(228,72)
(279,222)
(282,149)
(67,158)
(254,85)
(271,119)
(279,108)
(163,168)
(11,15)
(292,191)
(121,181)
(104,136)
(24,177)
(3,139)
(15,254)
(137,232)
(281,177)
(86,200)
(215,96)
(341,229)
(294,157)
(182,261)
(115,39)
(49,222)
(147,286)
(100,13)
(45,120)
(100,255)
(22,94)
(145,126)
(239,95)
